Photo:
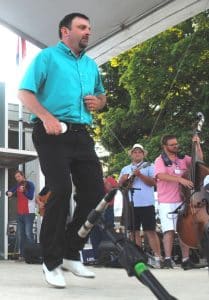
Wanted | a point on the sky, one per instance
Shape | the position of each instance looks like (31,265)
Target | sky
(10,73)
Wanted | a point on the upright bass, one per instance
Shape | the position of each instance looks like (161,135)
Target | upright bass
(193,217)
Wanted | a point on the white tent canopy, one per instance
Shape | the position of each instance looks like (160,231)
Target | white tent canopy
(117,25)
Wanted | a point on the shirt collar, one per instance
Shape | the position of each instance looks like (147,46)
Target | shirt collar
(67,50)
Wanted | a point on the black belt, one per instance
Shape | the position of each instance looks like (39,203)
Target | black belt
(70,126)
(74,126)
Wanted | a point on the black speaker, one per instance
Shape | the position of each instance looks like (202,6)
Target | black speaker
(108,255)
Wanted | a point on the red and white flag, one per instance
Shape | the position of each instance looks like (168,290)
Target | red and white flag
(21,50)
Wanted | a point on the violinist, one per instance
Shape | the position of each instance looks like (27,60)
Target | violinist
(24,191)
(141,197)
(170,166)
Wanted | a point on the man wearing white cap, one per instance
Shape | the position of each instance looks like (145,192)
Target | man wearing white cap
(141,195)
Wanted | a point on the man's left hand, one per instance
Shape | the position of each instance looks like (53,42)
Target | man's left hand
(137,173)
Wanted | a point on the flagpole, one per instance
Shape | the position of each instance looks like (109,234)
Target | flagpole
(21,52)
(20,131)
(20,125)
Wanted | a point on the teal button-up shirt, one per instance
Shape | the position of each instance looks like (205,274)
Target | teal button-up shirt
(60,80)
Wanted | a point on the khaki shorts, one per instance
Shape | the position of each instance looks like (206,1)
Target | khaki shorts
(167,220)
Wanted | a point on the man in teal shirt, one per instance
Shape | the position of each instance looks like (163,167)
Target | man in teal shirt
(63,85)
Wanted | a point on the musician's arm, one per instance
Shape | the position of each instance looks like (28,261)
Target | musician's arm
(150,181)
(198,147)
(29,193)
(167,177)
(174,178)
(40,203)
(199,151)
(11,191)
(122,179)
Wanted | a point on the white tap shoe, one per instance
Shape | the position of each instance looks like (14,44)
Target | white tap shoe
(55,277)
(77,268)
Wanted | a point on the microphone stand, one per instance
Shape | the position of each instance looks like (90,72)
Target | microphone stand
(131,215)
(131,257)
(128,206)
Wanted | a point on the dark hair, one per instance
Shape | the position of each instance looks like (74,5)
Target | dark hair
(20,172)
(67,21)
(166,138)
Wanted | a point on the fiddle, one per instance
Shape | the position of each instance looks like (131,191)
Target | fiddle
(23,186)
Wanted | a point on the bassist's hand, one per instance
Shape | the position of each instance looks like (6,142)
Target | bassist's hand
(185,182)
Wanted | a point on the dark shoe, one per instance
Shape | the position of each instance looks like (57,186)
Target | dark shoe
(167,264)
(188,265)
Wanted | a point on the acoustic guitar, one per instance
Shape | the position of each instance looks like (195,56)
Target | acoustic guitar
(129,182)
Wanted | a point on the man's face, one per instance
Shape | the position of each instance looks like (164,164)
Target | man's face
(171,146)
(79,32)
(137,155)
(19,178)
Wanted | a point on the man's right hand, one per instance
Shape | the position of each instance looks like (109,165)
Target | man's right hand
(123,179)
(29,100)
(52,125)
(186,182)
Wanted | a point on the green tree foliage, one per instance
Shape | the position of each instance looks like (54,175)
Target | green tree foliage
(157,88)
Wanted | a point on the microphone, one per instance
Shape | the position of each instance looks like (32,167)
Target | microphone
(95,214)
(63,127)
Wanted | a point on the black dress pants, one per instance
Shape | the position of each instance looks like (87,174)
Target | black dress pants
(66,159)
